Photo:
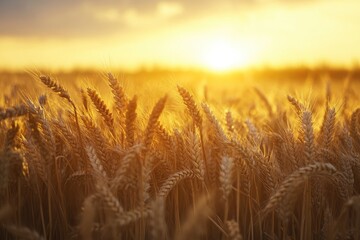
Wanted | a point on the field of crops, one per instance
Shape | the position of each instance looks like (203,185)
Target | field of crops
(179,156)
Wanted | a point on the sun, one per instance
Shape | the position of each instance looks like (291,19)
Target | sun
(223,55)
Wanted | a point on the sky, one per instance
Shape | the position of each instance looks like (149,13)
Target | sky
(208,34)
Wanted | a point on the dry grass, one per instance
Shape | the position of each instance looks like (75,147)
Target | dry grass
(256,165)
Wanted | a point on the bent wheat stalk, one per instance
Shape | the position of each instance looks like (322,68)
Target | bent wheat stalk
(285,195)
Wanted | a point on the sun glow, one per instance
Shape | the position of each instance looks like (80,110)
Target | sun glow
(223,55)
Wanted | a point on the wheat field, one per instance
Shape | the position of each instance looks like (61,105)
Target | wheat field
(107,157)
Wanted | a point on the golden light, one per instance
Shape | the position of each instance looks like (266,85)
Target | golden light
(224,55)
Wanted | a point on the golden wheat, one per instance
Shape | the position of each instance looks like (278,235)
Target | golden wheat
(242,166)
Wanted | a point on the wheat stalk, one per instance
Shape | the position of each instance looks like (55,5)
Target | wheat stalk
(24,232)
(265,100)
(87,219)
(157,219)
(192,227)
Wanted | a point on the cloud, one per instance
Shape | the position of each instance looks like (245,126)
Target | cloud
(68,18)
(81,18)
(169,9)
(163,12)
(46,18)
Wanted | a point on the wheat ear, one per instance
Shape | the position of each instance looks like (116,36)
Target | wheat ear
(130,121)
(129,157)
(193,153)
(55,87)
(101,108)
(58,89)
(15,111)
(229,122)
(154,116)
(119,97)
(133,215)
(225,177)
(233,230)
(174,179)
(327,129)
(307,136)
(284,196)
(109,199)
(188,100)
(297,105)
(96,163)
(219,132)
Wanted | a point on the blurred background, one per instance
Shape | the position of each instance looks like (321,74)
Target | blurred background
(142,35)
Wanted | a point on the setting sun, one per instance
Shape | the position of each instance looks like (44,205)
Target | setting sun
(222,55)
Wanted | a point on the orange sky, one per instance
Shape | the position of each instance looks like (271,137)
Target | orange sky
(216,35)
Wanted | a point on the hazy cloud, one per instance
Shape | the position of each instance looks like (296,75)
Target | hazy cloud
(72,18)
(87,18)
